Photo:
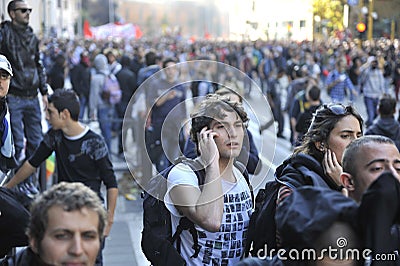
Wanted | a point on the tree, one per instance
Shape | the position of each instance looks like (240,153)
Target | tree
(330,12)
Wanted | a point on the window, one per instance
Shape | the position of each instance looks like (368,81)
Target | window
(302,23)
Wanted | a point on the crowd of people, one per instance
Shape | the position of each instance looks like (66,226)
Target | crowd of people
(336,180)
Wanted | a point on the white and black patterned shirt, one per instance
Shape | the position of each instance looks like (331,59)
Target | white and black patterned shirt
(226,246)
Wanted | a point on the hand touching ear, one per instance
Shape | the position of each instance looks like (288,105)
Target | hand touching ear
(332,167)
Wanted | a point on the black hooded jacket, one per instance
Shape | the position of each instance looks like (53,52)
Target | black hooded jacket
(21,47)
(387,127)
(303,170)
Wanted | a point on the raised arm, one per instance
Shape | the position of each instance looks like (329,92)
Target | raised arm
(203,206)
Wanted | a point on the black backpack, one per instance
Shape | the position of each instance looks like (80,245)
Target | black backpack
(262,227)
(157,239)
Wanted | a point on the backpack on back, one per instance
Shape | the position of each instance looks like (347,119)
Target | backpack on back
(111,92)
(157,239)
(262,227)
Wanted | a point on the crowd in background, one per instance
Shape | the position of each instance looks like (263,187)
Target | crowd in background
(282,69)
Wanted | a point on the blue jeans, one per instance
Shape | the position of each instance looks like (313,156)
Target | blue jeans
(371,104)
(26,121)
(83,103)
(105,117)
(99,258)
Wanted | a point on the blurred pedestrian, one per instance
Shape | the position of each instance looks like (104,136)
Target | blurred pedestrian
(56,75)
(128,83)
(372,84)
(386,124)
(99,108)
(80,79)
(338,82)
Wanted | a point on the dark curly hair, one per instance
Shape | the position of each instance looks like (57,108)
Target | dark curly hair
(213,107)
(324,121)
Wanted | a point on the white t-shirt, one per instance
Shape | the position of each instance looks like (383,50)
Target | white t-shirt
(226,246)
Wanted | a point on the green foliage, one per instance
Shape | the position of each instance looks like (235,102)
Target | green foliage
(330,12)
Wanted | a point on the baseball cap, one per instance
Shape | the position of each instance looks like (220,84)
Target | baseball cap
(5,64)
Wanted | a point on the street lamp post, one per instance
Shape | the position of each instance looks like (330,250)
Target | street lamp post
(111,11)
(80,25)
(370,20)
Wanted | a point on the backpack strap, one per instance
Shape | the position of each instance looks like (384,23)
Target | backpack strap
(184,222)
(242,168)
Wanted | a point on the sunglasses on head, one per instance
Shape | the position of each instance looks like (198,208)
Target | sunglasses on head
(23,10)
(337,109)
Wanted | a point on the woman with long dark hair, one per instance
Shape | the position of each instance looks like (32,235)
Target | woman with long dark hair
(332,128)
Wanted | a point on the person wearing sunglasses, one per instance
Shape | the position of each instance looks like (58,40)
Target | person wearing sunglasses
(21,46)
(316,162)
(7,149)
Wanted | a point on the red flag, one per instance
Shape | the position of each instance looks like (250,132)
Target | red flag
(87,33)
(138,32)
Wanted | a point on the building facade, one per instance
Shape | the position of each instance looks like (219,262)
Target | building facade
(56,18)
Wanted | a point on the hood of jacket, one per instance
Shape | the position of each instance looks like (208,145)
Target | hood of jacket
(101,64)
(309,211)
(388,127)
(301,170)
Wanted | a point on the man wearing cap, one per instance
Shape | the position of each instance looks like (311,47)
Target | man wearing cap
(7,150)
(21,46)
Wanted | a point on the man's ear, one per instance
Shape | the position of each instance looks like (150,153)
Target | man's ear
(33,246)
(12,14)
(347,181)
(65,114)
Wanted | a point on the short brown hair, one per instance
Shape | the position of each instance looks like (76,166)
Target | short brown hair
(71,197)
(211,108)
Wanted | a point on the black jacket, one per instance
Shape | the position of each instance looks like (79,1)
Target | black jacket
(13,221)
(21,47)
(302,170)
(80,79)
(23,258)
(128,83)
(387,127)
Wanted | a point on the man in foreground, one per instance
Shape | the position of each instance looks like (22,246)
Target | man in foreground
(66,228)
